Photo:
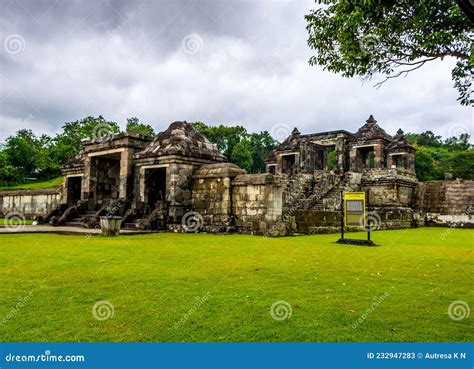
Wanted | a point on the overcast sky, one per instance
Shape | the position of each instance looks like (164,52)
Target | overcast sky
(220,61)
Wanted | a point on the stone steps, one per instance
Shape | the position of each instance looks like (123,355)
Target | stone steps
(73,224)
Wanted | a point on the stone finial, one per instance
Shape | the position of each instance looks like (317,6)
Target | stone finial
(295,132)
(400,132)
(371,119)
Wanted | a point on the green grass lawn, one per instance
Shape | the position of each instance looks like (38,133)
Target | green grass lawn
(14,221)
(197,287)
(52,183)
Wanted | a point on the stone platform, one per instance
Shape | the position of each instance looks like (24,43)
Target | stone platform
(63,230)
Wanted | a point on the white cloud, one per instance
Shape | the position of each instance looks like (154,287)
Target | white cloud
(253,73)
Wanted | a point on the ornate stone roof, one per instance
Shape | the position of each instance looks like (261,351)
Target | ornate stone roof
(74,164)
(181,138)
(370,131)
(293,142)
(400,143)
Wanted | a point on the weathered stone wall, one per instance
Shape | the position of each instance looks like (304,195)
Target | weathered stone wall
(256,202)
(230,200)
(29,203)
(211,195)
(445,203)
(312,222)
(389,187)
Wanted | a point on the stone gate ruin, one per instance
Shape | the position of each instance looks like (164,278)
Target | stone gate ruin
(180,181)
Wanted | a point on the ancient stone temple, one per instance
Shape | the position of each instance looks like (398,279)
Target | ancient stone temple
(180,181)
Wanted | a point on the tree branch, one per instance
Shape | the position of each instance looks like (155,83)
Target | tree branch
(379,84)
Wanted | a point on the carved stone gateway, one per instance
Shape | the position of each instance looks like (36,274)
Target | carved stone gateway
(156,183)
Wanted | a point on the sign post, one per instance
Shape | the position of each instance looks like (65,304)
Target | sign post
(353,213)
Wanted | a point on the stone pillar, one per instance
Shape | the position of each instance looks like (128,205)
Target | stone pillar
(410,161)
(178,192)
(65,190)
(126,157)
(353,162)
(378,156)
(389,161)
(279,161)
(340,152)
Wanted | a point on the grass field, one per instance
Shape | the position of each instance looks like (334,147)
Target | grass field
(197,287)
(14,221)
(52,183)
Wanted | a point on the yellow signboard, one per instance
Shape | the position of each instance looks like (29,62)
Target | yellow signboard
(354,208)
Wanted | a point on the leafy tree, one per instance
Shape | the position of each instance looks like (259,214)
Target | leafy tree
(23,151)
(425,166)
(458,143)
(69,143)
(462,164)
(393,38)
(136,127)
(225,137)
(242,155)
(427,138)
(331,159)
(7,171)
(261,144)
(248,151)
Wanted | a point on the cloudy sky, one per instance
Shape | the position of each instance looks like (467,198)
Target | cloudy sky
(232,62)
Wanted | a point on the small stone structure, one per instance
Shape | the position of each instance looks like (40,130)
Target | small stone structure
(29,203)
(180,181)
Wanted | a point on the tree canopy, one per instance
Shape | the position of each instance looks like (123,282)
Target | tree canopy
(247,150)
(136,127)
(435,158)
(392,37)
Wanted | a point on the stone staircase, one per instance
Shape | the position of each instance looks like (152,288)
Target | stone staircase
(78,218)
(131,223)
(318,192)
(296,188)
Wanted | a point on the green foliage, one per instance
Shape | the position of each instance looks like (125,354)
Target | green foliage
(246,150)
(393,38)
(427,139)
(69,142)
(434,158)
(25,156)
(36,185)
(331,160)
(225,137)
(134,126)
(462,164)
(242,154)
(425,166)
